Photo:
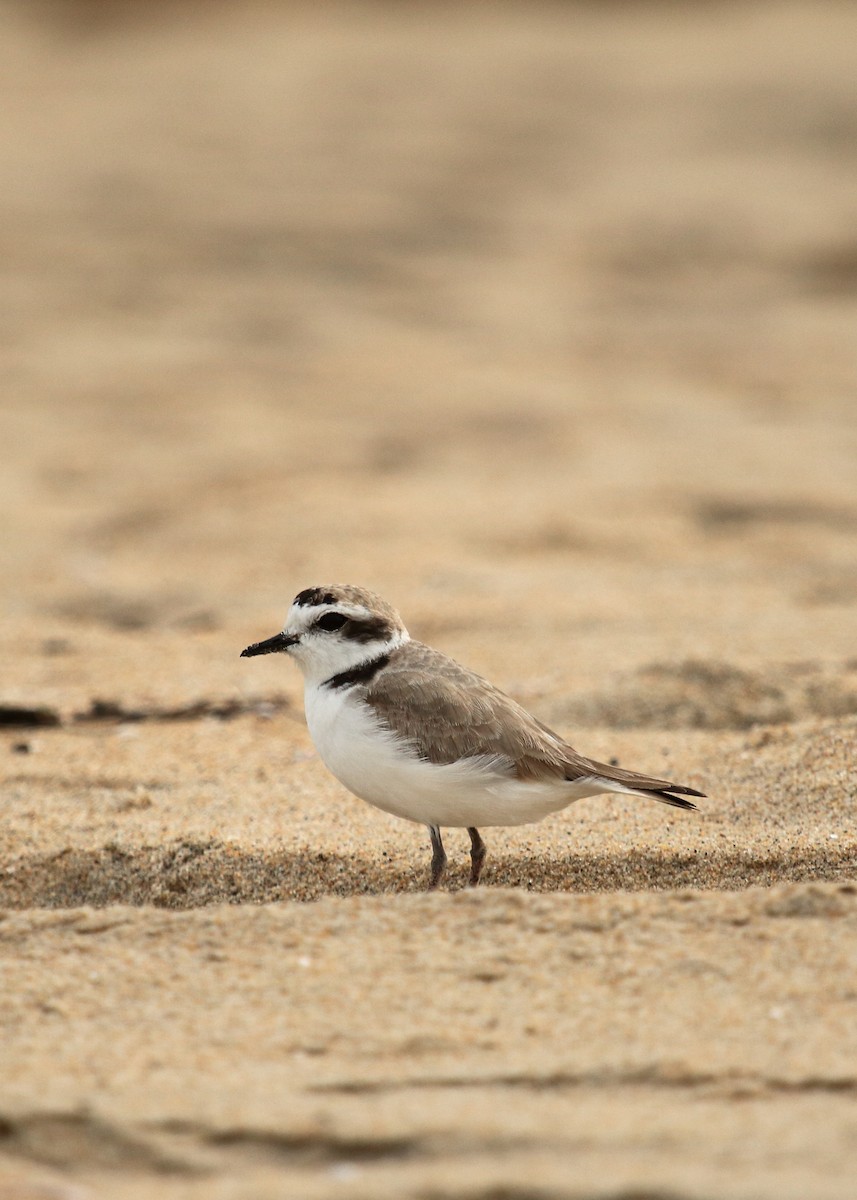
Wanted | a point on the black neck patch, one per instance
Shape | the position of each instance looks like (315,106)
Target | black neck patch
(362,673)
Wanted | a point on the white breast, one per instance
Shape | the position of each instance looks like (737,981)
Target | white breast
(382,769)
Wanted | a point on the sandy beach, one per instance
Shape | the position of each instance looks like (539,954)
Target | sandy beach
(540,321)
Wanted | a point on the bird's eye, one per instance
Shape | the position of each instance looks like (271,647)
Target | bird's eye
(331,621)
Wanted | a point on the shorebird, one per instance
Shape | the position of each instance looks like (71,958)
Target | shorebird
(420,736)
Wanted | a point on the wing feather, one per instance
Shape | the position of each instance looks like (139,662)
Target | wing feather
(448,712)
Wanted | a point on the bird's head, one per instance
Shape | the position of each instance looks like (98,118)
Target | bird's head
(333,629)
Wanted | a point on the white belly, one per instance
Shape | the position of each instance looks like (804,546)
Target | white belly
(378,767)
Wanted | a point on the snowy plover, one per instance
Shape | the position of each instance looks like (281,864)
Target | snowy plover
(421,737)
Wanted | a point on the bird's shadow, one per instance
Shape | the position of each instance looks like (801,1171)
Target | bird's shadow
(194,874)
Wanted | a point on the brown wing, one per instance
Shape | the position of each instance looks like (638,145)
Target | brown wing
(658,789)
(577,766)
(448,713)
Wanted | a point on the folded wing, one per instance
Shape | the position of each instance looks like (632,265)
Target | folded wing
(448,712)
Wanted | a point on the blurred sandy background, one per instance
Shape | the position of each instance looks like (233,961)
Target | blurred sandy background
(541,320)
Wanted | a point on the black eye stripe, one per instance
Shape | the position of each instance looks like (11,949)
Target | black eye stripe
(356,629)
(368,629)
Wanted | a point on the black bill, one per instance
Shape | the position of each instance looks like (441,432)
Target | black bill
(272,645)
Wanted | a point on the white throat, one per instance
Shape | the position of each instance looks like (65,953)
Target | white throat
(326,657)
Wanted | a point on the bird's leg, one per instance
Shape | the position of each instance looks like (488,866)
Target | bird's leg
(478,854)
(438,857)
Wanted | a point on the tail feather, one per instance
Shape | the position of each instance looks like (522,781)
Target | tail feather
(666,797)
(618,780)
